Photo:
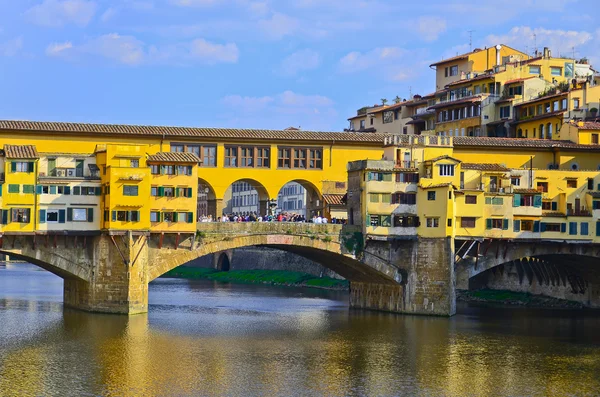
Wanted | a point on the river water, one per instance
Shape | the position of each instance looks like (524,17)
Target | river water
(201,339)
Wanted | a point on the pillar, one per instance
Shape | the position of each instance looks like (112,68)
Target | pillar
(119,283)
(263,207)
(215,208)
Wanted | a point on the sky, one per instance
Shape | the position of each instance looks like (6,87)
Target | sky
(254,63)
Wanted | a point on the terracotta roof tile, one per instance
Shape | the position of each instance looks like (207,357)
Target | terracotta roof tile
(519,143)
(482,76)
(472,99)
(21,152)
(513,81)
(191,132)
(589,125)
(526,191)
(334,199)
(484,167)
(173,157)
(436,186)
(444,157)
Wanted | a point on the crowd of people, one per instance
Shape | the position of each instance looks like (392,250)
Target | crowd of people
(281,217)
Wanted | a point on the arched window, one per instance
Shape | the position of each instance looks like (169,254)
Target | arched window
(526,133)
(520,133)
(542,134)
(549,131)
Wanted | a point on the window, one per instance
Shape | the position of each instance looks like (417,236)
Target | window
(373,197)
(167,191)
(470,199)
(546,205)
(380,176)
(263,157)
(555,106)
(594,139)
(130,190)
(134,163)
(534,70)
(572,183)
(497,223)
(575,103)
(284,158)
(89,191)
(77,214)
(374,220)
(362,124)
(454,70)
(504,112)
(184,170)
(167,169)
(515,181)
(388,117)
(206,153)
(28,189)
(431,195)
(550,227)
(590,183)
(52,216)
(494,200)
(573,228)
(14,188)
(446,169)
(66,190)
(584,228)
(404,198)
(406,221)
(20,215)
(467,222)
(126,216)
(22,166)
(371,120)
(154,216)
(231,156)
(555,71)
(386,198)
(407,177)
(527,226)
(154,191)
(432,222)
(299,159)
(563,104)
(247,156)
(316,158)
(542,187)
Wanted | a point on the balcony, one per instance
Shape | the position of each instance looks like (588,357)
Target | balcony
(407,164)
(423,111)
(578,212)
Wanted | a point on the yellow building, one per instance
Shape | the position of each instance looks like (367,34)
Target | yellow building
(473,187)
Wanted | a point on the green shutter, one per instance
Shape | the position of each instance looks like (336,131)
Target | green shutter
(38,189)
(13,166)
(174,216)
(13,188)
(90,217)
(42,216)
(161,191)
(4,214)
(505,224)
(190,217)
(488,224)
(76,191)
(114,216)
(554,206)
(537,201)
(536,226)
(67,190)
(517,200)
(1,186)
(30,167)
(61,216)
(516,226)
(597,228)
(190,192)
(52,189)
(177,190)
(69,214)
(98,190)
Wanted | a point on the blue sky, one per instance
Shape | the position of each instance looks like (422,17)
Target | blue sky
(253,63)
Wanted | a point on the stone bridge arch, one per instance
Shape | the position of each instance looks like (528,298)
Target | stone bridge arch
(321,243)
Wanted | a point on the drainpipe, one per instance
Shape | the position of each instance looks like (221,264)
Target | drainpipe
(161,141)
(331,152)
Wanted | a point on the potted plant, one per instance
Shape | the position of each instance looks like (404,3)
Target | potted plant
(594,112)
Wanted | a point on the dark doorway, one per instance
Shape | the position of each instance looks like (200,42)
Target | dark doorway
(223,263)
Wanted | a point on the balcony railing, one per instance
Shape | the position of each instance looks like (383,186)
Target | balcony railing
(407,164)
(580,212)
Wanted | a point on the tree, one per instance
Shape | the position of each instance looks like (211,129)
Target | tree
(384,101)
(397,99)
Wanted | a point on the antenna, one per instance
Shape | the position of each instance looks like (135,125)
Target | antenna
(470,40)
(535,42)
(410,91)
(573,48)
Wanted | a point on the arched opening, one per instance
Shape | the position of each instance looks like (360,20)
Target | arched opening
(246,197)
(207,202)
(302,200)
(223,264)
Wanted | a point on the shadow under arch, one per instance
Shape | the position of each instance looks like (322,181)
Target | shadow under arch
(69,271)
(235,203)
(223,264)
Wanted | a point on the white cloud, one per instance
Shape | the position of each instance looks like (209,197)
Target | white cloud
(129,50)
(300,61)
(211,53)
(559,41)
(12,47)
(430,27)
(286,102)
(278,26)
(56,13)
(356,61)
(247,104)
(194,3)
(55,49)
(109,14)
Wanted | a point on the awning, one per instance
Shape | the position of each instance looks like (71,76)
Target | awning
(334,199)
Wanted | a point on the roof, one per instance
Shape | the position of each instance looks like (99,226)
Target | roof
(540,117)
(470,141)
(471,99)
(444,157)
(594,194)
(21,152)
(526,191)
(173,157)
(513,81)
(334,199)
(481,76)
(188,132)
(543,98)
(484,167)
(466,55)
(436,186)
(589,125)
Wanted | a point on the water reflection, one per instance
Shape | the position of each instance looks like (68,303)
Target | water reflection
(205,339)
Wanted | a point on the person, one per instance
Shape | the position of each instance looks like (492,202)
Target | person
(324,220)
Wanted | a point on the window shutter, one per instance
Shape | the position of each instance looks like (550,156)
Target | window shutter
(67,190)
(537,201)
(488,224)
(161,191)
(563,227)
(30,167)
(174,216)
(584,229)
(542,226)
(572,228)
(114,216)
(98,191)
(4,216)
(505,224)
(52,189)
(90,215)
(69,214)
(61,216)
(517,200)
(76,191)
(554,206)
(1,186)
(38,189)
(13,166)
(190,217)
(598,228)
(177,190)
(516,226)
(42,216)
(190,193)
(536,226)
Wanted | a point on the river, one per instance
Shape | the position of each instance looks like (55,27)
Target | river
(202,339)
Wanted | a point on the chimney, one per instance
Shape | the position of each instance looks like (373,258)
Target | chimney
(546,53)
(498,57)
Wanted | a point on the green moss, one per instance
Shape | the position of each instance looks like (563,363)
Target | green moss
(189,272)
(354,242)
